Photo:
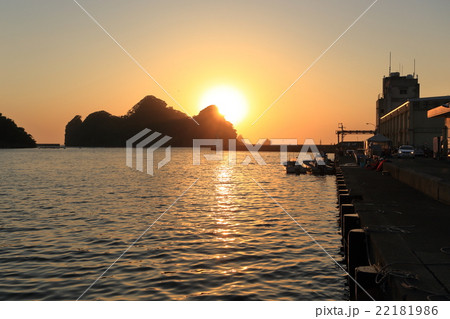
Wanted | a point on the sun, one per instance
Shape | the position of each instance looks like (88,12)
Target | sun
(230,102)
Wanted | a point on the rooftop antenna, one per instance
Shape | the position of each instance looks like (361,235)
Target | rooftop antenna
(414,74)
(390,60)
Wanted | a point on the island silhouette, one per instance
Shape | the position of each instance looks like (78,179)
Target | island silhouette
(12,136)
(101,129)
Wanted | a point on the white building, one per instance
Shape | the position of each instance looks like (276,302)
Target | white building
(402,114)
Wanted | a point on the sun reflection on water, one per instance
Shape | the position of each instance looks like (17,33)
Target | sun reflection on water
(225,207)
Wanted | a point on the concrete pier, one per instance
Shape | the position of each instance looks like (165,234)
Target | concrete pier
(406,235)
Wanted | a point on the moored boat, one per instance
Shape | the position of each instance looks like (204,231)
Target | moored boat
(319,168)
(293,167)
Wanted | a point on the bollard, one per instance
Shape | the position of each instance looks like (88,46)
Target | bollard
(356,256)
(365,276)
(349,222)
(339,193)
(344,199)
(345,209)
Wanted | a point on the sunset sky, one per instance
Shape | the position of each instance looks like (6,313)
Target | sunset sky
(56,62)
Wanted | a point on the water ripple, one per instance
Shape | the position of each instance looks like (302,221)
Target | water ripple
(68,215)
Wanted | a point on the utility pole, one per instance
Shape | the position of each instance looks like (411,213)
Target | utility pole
(340,135)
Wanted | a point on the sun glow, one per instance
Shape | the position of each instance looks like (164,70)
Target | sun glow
(230,102)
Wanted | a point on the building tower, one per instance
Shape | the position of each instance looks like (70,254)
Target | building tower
(397,90)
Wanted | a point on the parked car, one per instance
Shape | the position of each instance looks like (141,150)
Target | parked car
(406,151)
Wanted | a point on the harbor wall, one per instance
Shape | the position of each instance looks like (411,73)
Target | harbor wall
(394,236)
(435,187)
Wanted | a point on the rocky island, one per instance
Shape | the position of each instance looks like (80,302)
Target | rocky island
(101,129)
(12,136)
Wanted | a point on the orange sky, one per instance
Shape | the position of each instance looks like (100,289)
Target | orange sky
(56,63)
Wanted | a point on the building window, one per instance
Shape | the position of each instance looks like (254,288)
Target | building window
(403,91)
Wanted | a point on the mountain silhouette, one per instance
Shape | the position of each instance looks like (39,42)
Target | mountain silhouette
(12,136)
(101,129)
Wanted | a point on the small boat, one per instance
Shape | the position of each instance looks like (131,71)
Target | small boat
(311,166)
(319,168)
(293,167)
